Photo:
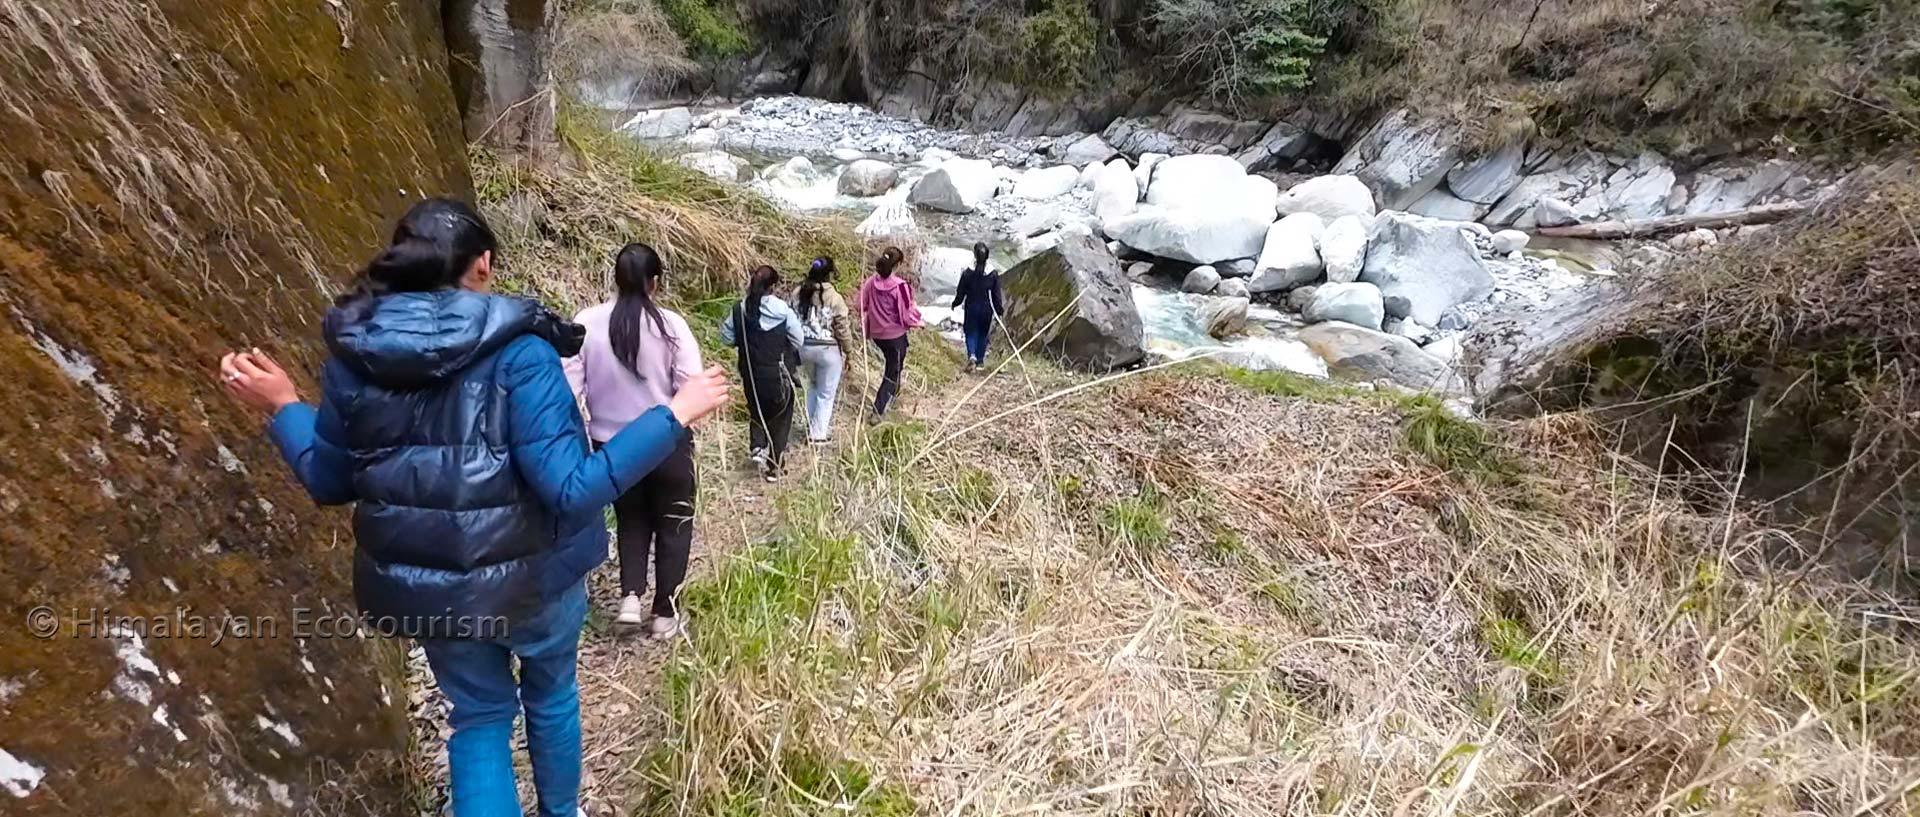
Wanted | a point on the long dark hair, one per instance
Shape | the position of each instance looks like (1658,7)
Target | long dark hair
(889,258)
(432,247)
(980,257)
(758,285)
(818,275)
(635,270)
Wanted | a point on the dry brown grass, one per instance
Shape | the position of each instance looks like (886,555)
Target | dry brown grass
(602,43)
(1173,595)
(562,226)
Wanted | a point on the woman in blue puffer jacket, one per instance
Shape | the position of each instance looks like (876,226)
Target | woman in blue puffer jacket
(447,418)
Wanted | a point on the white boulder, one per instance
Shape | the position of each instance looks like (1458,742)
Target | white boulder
(1193,235)
(1289,255)
(719,164)
(1089,148)
(1343,249)
(1047,183)
(1423,267)
(703,139)
(1328,197)
(1202,180)
(666,123)
(935,157)
(1440,204)
(1143,173)
(848,155)
(1357,304)
(1201,280)
(1233,288)
(1034,222)
(1554,212)
(1089,175)
(956,186)
(868,177)
(893,220)
(1114,194)
(1507,242)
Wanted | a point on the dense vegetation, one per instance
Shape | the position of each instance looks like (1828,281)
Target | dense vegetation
(1683,75)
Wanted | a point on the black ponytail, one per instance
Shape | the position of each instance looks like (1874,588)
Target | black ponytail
(432,247)
(758,285)
(636,270)
(818,275)
(889,258)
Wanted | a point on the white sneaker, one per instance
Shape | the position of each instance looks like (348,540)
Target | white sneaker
(632,612)
(665,627)
(762,462)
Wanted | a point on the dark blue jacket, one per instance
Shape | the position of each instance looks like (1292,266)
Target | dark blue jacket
(979,291)
(447,418)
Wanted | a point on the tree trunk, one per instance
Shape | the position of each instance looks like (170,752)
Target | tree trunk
(1636,228)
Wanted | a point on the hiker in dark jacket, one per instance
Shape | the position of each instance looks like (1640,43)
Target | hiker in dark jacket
(769,338)
(446,417)
(979,292)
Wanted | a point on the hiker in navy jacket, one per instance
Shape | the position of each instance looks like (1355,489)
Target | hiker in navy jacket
(447,418)
(979,293)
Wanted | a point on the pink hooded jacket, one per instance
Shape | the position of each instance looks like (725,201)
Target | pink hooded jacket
(886,307)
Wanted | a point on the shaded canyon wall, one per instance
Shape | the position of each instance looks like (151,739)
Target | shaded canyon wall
(178,177)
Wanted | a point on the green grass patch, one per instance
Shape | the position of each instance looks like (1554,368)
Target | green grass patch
(1511,641)
(712,30)
(1139,523)
(1453,443)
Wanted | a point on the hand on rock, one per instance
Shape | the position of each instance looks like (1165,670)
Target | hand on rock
(255,380)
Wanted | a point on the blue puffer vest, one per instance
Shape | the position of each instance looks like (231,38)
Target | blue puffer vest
(449,532)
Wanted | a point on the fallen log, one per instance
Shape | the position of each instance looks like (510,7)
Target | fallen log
(1641,227)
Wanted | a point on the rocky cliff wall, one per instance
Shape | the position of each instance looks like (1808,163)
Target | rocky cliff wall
(178,177)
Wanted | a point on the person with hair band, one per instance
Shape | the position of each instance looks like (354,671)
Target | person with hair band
(979,293)
(636,356)
(823,316)
(888,313)
(769,338)
(446,419)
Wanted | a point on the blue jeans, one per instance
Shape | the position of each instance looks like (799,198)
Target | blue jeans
(979,331)
(477,676)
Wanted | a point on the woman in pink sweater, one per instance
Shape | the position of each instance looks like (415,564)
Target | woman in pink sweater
(636,356)
(888,313)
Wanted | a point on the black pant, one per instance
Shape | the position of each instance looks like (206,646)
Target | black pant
(657,515)
(769,415)
(894,352)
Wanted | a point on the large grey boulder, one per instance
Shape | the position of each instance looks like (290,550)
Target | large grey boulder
(1280,145)
(1034,222)
(1089,148)
(1640,189)
(1491,177)
(868,177)
(957,186)
(1328,197)
(1233,288)
(1289,254)
(1343,249)
(716,163)
(667,123)
(939,270)
(1047,183)
(1224,317)
(1211,128)
(1402,158)
(1357,304)
(1197,236)
(1116,194)
(1078,282)
(1358,353)
(1423,267)
(1138,136)
(1440,204)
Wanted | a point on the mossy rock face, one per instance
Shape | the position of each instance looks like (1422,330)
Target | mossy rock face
(1074,302)
(181,177)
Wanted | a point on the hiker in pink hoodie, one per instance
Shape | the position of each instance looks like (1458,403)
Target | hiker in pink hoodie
(887,309)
